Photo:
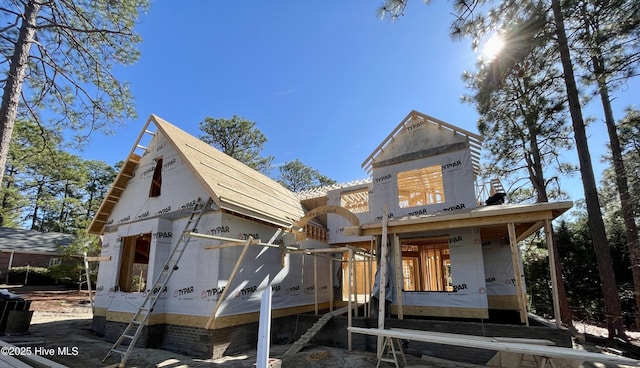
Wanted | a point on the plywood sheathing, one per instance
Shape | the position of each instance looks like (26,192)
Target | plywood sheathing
(474,140)
(236,186)
(233,185)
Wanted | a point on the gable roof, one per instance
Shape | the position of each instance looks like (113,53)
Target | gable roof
(233,185)
(30,241)
(411,121)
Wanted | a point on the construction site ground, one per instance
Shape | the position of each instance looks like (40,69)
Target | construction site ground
(62,319)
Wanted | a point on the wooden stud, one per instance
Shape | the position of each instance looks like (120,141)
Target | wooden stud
(98,258)
(212,318)
(515,258)
(399,277)
(349,302)
(382,280)
(548,230)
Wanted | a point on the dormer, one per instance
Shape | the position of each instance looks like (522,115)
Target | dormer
(425,166)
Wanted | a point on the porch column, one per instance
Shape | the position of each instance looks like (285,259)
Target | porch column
(399,281)
(552,266)
(515,258)
(382,281)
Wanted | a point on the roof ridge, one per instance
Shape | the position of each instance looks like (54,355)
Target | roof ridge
(322,190)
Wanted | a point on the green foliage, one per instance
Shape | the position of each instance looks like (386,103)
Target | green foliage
(297,176)
(608,43)
(520,98)
(238,138)
(536,265)
(70,271)
(629,128)
(48,189)
(580,272)
(69,69)
(30,275)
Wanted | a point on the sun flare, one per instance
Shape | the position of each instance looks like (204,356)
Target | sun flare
(492,47)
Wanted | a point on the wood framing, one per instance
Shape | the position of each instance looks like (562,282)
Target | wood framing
(526,347)
(419,207)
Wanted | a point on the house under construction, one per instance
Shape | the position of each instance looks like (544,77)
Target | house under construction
(198,236)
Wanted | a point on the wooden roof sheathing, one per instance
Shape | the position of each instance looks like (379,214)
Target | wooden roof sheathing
(474,140)
(233,185)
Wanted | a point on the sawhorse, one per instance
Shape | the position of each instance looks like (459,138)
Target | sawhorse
(388,349)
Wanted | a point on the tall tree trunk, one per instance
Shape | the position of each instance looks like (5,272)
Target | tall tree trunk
(612,308)
(34,219)
(89,204)
(15,79)
(536,176)
(627,206)
(61,215)
(6,197)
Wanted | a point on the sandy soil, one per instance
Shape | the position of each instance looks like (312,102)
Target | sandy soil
(62,319)
(61,326)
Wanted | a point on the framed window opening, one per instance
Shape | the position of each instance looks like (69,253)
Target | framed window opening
(356,201)
(426,264)
(156,181)
(420,187)
(134,263)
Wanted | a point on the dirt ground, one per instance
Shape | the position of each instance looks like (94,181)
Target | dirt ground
(62,319)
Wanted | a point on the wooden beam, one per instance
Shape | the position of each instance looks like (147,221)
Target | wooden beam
(349,305)
(515,258)
(437,222)
(532,229)
(431,311)
(522,348)
(231,244)
(548,231)
(399,279)
(315,283)
(98,258)
(382,280)
(212,318)
(330,284)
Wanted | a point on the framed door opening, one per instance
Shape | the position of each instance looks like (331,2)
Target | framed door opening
(134,263)
(426,264)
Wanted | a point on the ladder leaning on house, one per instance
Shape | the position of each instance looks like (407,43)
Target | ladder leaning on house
(142,315)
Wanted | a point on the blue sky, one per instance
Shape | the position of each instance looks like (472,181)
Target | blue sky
(325,81)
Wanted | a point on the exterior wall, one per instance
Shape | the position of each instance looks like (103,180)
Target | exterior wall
(179,187)
(458,183)
(416,135)
(467,273)
(500,275)
(194,289)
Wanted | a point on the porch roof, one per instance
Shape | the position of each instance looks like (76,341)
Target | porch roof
(492,220)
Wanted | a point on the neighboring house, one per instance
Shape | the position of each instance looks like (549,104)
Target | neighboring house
(450,255)
(19,247)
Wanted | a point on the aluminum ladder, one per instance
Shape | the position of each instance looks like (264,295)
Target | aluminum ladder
(141,317)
